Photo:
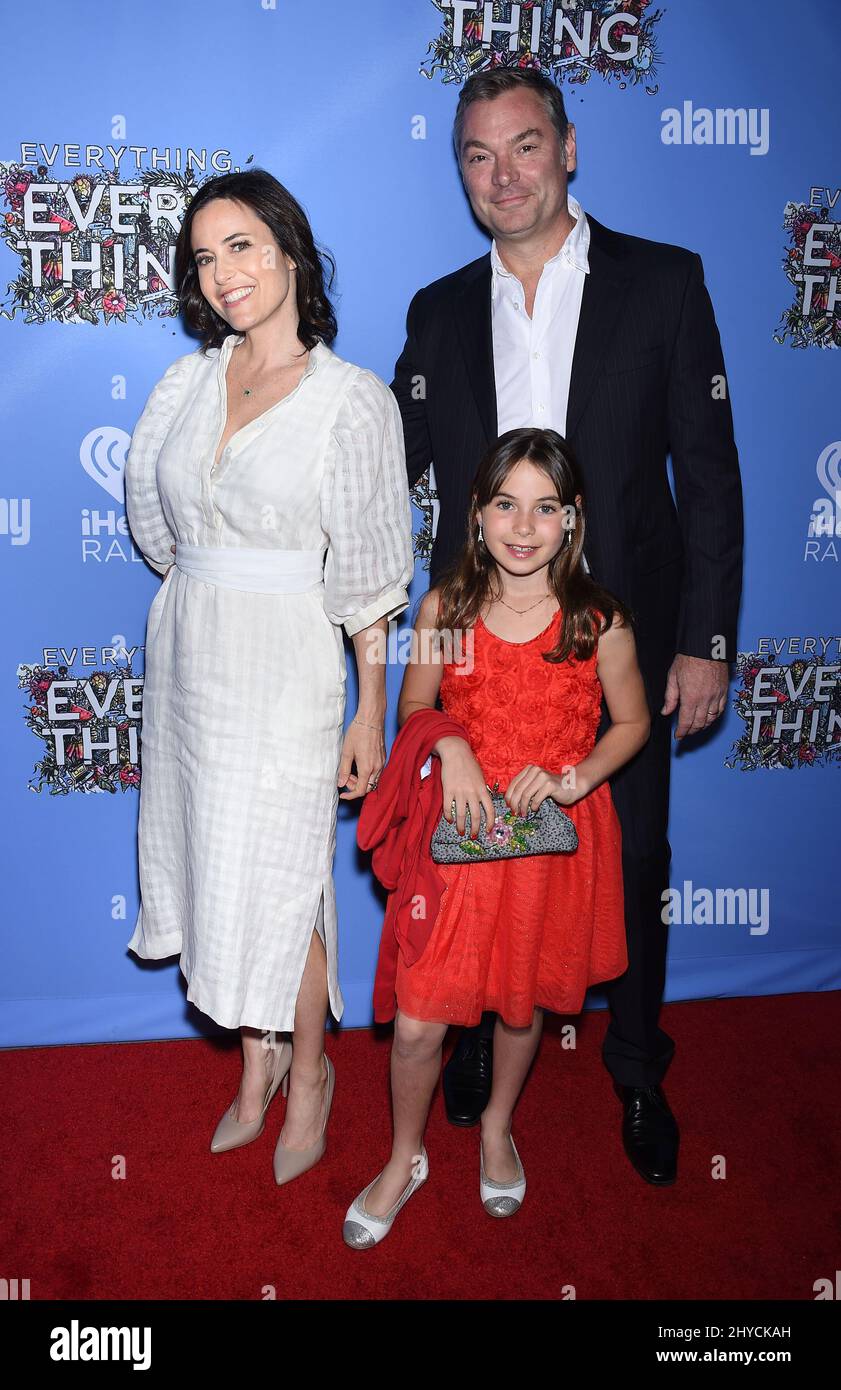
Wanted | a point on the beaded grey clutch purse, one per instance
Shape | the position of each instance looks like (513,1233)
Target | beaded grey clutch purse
(548,830)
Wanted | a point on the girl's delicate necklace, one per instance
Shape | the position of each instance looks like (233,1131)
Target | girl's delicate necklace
(521,611)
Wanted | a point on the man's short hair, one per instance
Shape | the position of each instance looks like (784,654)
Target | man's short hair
(484,86)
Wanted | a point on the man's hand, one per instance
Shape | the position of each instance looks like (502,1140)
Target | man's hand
(700,687)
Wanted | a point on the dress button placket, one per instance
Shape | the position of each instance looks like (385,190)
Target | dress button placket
(224,458)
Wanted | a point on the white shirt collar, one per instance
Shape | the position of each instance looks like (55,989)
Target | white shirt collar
(232,340)
(572,253)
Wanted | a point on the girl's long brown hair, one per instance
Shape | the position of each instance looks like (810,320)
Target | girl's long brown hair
(472,579)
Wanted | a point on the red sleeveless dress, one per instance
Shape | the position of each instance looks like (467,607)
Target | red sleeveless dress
(513,934)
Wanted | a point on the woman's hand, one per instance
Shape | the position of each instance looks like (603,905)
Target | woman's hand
(364,746)
(463,781)
(533,784)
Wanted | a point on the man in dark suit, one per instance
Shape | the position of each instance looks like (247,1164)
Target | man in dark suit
(611,340)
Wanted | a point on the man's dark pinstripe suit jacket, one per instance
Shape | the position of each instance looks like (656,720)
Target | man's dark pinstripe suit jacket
(642,386)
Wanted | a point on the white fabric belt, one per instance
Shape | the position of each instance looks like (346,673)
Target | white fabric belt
(257,571)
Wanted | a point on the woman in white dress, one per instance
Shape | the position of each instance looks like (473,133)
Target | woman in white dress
(274,473)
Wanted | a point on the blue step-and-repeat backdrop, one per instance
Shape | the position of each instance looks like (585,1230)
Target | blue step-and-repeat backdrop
(700,122)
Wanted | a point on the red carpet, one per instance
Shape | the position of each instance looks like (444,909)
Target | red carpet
(753,1080)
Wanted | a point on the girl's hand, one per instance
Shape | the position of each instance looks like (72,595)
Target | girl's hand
(463,781)
(534,784)
(365,747)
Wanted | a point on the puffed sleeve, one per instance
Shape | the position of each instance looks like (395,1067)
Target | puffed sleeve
(365,509)
(146,520)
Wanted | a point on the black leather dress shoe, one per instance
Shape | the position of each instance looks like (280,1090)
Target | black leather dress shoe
(649,1133)
(467,1078)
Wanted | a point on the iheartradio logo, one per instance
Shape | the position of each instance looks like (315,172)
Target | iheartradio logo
(103,453)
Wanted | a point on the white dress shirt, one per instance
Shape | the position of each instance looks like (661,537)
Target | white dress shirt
(533,356)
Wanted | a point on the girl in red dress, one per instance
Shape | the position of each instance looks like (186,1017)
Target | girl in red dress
(534,643)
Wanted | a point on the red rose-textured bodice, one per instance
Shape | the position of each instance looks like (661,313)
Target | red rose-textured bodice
(519,709)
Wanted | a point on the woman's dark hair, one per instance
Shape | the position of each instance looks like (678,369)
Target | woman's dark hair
(288,223)
(484,86)
(469,581)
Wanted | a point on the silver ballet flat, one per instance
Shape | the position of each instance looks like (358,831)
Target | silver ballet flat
(501,1198)
(361,1230)
(231,1133)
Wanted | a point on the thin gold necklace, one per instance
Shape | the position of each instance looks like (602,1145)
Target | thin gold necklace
(252,390)
(521,611)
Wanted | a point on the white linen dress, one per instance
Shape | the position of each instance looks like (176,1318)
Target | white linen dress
(244,692)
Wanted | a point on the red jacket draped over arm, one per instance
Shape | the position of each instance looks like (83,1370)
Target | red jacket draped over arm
(397,822)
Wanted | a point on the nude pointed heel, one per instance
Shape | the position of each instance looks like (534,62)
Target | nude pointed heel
(232,1133)
(290,1163)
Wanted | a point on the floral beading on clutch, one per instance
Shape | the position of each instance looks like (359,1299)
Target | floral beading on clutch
(548,830)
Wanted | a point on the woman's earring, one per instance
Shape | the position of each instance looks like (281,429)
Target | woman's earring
(481,537)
